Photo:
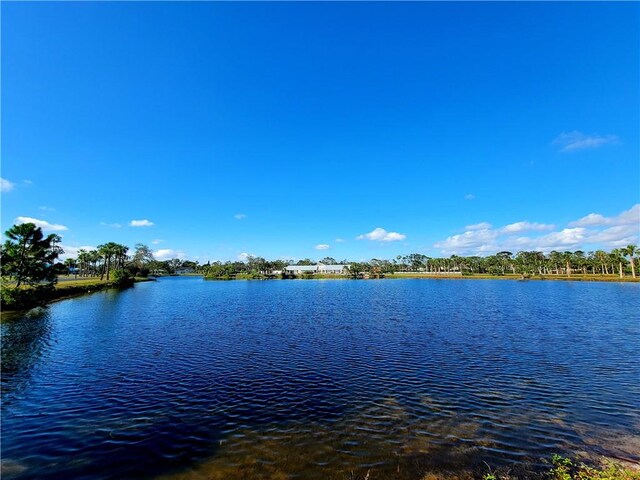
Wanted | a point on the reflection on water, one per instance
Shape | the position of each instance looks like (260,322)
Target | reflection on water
(24,338)
(184,378)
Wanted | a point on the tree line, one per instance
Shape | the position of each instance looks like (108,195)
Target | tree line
(619,261)
(29,257)
(112,256)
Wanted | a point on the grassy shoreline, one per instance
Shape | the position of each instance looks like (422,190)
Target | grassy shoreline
(481,276)
(431,276)
(64,290)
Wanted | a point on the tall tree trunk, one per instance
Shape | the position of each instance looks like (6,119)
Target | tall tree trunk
(633,267)
(108,266)
(620,269)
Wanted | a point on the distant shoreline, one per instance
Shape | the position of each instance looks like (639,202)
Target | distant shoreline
(76,288)
(481,276)
(449,276)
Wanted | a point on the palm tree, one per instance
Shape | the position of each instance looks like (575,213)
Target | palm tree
(108,251)
(630,251)
(93,258)
(120,253)
(601,256)
(71,263)
(567,260)
(556,260)
(579,261)
(617,256)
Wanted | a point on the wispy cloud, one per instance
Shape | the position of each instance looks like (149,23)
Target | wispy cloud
(112,225)
(478,226)
(340,240)
(526,226)
(574,141)
(156,241)
(6,185)
(469,196)
(322,246)
(381,235)
(243,256)
(140,223)
(593,230)
(46,209)
(240,216)
(43,224)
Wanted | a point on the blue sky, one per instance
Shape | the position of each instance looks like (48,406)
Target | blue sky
(279,129)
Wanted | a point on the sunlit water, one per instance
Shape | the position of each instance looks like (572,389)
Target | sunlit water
(320,379)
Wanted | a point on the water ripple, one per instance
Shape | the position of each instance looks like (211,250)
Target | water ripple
(309,379)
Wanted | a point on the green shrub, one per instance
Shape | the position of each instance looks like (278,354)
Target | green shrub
(121,278)
(565,469)
(24,298)
(244,276)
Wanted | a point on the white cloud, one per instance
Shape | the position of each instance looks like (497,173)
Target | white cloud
(526,226)
(617,236)
(381,235)
(6,185)
(627,217)
(239,216)
(46,209)
(112,225)
(574,141)
(621,230)
(168,254)
(591,220)
(156,241)
(470,241)
(43,224)
(322,246)
(72,252)
(478,226)
(27,182)
(140,223)
(469,196)
(340,240)
(562,240)
(243,256)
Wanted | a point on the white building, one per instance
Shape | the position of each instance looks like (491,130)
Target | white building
(320,268)
(333,269)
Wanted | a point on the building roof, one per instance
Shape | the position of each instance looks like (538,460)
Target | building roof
(302,268)
(333,267)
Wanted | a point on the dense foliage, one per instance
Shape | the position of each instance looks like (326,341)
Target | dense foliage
(28,257)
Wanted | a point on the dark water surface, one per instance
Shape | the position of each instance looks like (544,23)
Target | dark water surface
(318,379)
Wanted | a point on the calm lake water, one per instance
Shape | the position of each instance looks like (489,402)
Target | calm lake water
(187,378)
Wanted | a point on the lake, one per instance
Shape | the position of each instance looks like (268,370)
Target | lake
(188,378)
